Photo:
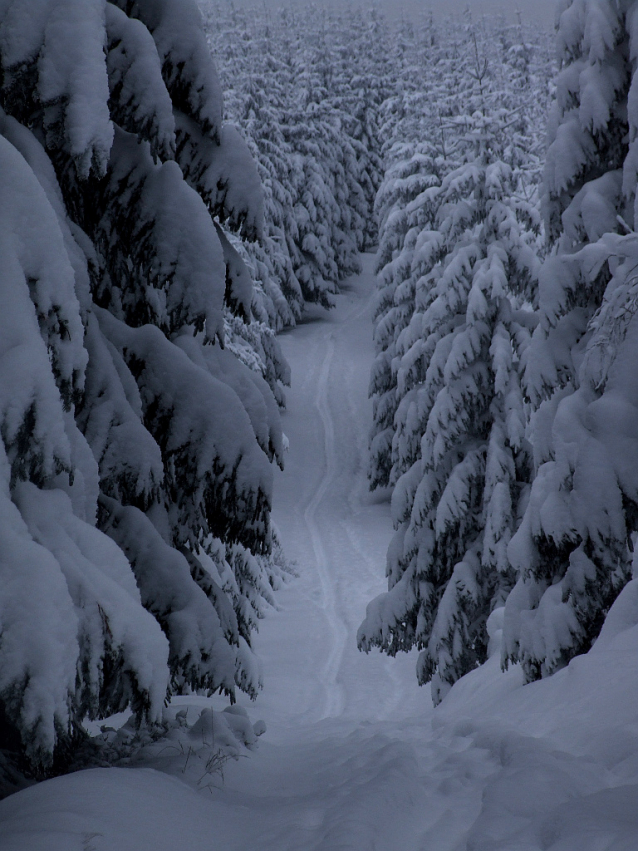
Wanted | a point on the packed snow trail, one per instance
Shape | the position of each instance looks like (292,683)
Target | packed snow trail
(336,630)
(355,758)
(333,528)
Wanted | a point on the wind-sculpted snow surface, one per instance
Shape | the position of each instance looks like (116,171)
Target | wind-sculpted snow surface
(355,757)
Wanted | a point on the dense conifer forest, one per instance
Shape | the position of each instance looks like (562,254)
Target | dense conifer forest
(187,191)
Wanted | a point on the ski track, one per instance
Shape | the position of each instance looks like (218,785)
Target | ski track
(330,526)
(337,629)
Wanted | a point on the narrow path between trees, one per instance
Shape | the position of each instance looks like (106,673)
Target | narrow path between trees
(355,758)
(333,528)
(329,773)
(348,761)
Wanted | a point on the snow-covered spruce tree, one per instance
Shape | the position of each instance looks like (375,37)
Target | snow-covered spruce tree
(422,119)
(329,205)
(135,456)
(406,204)
(260,117)
(361,41)
(458,454)
(572,550)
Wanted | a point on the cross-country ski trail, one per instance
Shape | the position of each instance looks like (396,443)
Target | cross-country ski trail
(355,758)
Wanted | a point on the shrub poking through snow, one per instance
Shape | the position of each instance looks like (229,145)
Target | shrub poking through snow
(195,749)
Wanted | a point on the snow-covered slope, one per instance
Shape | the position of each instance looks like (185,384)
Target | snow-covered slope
(355,756)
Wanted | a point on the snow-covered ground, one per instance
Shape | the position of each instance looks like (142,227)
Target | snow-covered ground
(355,757)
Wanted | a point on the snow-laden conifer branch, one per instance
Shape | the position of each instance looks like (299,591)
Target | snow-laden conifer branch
(135,458)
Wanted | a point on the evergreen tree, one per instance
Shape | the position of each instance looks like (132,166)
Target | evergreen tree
(460,447)
(444,83)
(406,204)
(363,41)
(572,550)
(460,266)
(136,451)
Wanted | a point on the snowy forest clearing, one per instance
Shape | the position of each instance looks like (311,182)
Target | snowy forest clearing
(355,756)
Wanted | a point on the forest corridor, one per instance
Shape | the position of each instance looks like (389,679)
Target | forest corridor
(318,427)
(355,757)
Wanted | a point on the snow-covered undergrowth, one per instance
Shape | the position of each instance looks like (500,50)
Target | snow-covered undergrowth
(192,742)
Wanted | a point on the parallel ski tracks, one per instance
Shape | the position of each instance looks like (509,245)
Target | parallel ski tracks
(334,691)
(329,389)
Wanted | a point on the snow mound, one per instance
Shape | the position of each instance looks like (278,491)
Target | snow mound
(108,809)
(196,751)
